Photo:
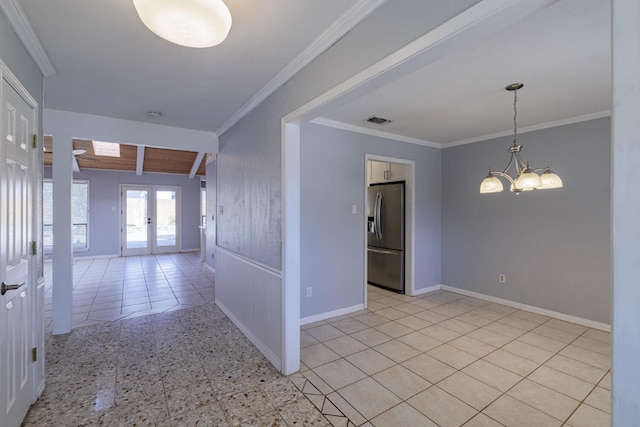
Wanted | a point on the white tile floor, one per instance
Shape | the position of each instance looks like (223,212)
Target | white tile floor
(112,289)
(449,360)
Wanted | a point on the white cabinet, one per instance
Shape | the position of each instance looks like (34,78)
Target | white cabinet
(384,171)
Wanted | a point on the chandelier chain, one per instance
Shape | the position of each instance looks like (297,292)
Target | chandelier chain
(515,116)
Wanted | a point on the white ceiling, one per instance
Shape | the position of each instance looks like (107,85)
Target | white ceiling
(561,54)
(107,63)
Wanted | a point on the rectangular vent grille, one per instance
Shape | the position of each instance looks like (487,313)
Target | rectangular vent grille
(378,120)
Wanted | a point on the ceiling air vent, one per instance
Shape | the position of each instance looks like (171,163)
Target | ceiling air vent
(378,120)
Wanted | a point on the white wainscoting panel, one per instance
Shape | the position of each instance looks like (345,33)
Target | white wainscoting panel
(250,294)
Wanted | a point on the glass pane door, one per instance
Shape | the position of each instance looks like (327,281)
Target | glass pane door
(137,221)
(150,220)
(165,218)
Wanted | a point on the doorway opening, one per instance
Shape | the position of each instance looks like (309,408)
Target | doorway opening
(150,220)
(381,170)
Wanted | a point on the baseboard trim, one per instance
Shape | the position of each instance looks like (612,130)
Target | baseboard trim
(426,290)
(209,267)
(275,361)
(330,314)
(538,310)
(190,250)
(81,258)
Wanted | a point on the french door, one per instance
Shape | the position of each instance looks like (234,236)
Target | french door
(16,230)
(150,221)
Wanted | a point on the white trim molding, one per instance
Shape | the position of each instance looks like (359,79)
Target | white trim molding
(330,314)
(427,290)
(140,160)
(22,27)
(92,257)
(210,268)
(531,308)
(373,132)
(393,136)
(547,125)
(196,164)
(324,41)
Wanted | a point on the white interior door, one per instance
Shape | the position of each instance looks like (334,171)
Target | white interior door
(150,220)
(16,302)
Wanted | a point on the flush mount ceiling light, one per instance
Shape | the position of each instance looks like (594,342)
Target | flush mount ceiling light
(191,23)
(526,179)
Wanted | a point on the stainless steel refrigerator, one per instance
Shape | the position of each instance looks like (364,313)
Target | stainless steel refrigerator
(385,235)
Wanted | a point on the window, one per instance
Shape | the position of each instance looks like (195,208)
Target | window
(79,215)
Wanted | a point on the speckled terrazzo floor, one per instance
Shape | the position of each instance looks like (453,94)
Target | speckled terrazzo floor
(181,368)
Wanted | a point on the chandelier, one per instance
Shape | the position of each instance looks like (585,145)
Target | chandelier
(526,179)
(190,23)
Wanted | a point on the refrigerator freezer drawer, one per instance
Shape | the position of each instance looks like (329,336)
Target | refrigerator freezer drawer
(385,267)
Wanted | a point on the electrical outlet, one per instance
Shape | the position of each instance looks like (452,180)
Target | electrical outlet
(502,278)
(309,292)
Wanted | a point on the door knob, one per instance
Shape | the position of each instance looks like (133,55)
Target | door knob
(4,287)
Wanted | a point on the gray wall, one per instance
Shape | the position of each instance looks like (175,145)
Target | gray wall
(104,195)
(332,238)
(553,245)
(249,164)
(13,54)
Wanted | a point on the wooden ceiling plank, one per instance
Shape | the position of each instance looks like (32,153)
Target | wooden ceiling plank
(168,161)
(138,159)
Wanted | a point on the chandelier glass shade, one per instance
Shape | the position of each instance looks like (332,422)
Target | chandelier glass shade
(190,23)
(526,178)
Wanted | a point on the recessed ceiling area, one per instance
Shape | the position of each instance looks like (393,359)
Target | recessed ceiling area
(160,160)
(561,54)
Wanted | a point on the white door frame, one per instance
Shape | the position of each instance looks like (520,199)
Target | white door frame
(152,247)
(35,301)
(409,231)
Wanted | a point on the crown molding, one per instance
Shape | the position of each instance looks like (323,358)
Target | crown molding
(396,137)
(331,35)
(361,129)
(22,27)
(547,125)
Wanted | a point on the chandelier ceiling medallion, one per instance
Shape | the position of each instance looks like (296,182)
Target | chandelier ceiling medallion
(526,179)
(190,23)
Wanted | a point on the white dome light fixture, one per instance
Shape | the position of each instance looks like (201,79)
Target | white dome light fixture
(190,23)
(526,179)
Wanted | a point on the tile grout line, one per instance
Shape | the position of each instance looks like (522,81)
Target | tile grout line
(476,327)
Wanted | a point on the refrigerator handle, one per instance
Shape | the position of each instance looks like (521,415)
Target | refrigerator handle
(379,221)
(376,221)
